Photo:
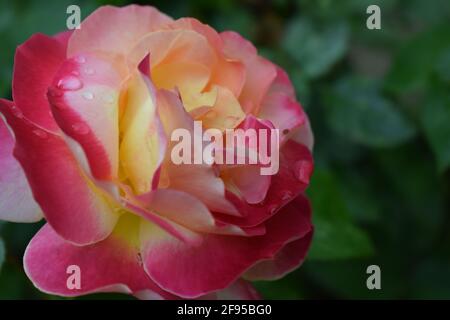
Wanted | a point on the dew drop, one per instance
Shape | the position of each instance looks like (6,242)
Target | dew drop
(88,95)
(80,59)
(303,170)
(16,112)
(80,128)
(286,195)
(40,133)
(273,208)
(69,83)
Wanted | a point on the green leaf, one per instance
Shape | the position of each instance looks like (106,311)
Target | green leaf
(411,187)
(442,66)
(2,253)
(315,48)
(358,192)
(335,234)
(286,288)
(415,61)
(436,123)
(431,281)
(357,111)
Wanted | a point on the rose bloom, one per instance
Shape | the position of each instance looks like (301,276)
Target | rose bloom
(85,144)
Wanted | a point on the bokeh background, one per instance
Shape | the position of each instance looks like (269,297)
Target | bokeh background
(379,105)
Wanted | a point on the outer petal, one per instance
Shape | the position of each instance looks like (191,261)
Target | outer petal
(287,259)
(73,206)
(218,261)
(282,84)
(239,290)
(63,37)
(115,30)
(281,107)
(36,63)
(260,73)
(16,201)
(284,112)
(112,265)
(304,135)
(85,103)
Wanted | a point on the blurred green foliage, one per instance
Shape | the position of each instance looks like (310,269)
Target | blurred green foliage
(380,109)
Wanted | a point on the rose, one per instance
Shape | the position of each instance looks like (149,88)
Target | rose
(91,120)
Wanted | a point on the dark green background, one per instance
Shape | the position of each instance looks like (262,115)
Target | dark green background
(380,110)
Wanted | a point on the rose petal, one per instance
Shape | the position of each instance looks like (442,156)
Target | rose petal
(36,62)
(226,73)
(284,112)
(85,103)
(72,204)
(191,178)
(143,139)
(16,201)
(239,290)
(296,166)
(184,209)
(284,262)
(192,271)
(112,265)
(63,37)
(226,113)
(287,259)
(304,135)
(115,30)
(248,181)
(260,73)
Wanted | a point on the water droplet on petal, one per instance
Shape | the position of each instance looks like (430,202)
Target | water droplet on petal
(69,83)
(89,71)
(80,128)
(302,170)
(286,195)
(80,59)
(40,133)
(88,95)
(272,208)
(16,112)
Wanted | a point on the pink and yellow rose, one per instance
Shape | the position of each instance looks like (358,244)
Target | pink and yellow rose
(85,143)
